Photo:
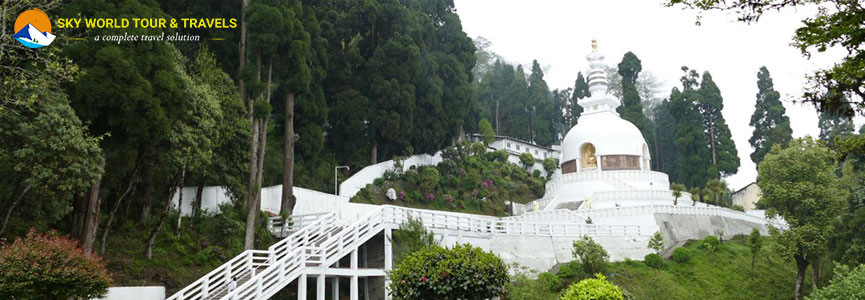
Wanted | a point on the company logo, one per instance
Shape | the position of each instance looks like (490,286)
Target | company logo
(33,29)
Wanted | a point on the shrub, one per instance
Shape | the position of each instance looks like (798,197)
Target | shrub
(738,207)
(536,173)
(682,255)
(591,255)
(569,270)
(597,288)
(410,237)
(461,272)
(429,179)
(846,284)
(657,242)
(549,281)
(653,261)
(41,266)
(710,243)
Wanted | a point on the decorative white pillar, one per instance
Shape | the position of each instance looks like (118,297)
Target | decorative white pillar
(334,285)
(319,286)
(353,288)
(301,287)
(388,259)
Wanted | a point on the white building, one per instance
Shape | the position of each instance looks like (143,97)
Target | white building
(747,197)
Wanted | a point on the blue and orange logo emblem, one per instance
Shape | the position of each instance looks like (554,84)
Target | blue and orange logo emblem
(33,29)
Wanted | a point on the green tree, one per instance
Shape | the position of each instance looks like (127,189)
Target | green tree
(544,114)
(677,189)
(550,165)
(592,256)
(527,160)
(695,195)
(460,272)
(693,161)
(657,243)
(49,266)
(832,125)
(716,188)
(799,184)
(581,91)
(827,28)
(486,131)
(755,243)
(632,106)
(724,157)
(771,124)
(597,288)
(846,284)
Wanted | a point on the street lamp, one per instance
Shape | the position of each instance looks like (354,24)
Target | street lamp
(335,178)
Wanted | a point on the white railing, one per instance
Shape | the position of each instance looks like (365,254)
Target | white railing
(550,216)
(681,209)
(547,229)
(633,195)
(280,228)
(217,280)
(247,263)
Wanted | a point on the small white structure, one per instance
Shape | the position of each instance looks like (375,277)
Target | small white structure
(747,197)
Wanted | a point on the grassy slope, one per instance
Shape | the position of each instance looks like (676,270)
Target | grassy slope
(723,274)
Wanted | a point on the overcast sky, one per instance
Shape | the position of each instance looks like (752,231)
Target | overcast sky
(558,34)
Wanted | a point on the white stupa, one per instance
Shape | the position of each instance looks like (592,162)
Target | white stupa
(605,160)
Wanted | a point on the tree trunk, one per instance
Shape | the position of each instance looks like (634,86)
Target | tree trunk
(241,84)
(269,77)
(712,139)
(180,201)
(815,272)
(253,163)
(12,207)
(107,226)
(498,128)
(196,205)
(152,238)
(253,208)
(373,155)
(261,148)
(801,266)
(91,221)
(288,199)
(79,206)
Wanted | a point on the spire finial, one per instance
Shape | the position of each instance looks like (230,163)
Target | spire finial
(594,45)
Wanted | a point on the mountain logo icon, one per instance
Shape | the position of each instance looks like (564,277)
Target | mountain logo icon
(33,29)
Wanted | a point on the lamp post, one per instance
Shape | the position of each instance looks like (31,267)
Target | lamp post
(336,178)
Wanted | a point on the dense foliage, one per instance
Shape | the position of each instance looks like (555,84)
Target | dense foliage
(770,122)
(597,288)
(460,272)
(49,266)
(847,284)
(469,179)
(411,236)
(799,183)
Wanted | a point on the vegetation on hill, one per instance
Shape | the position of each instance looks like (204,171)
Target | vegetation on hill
(204,244)
(469,179)
(720,274)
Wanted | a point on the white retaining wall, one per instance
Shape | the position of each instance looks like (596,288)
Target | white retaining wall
(135,293)
(271,199)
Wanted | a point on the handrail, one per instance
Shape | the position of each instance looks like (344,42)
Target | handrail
(241,264)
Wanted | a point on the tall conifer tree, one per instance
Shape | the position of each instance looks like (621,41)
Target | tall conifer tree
(771,124)
(632,106)
(724,157)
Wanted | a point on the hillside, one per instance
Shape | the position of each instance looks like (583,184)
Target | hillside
(469,179)
(722,274)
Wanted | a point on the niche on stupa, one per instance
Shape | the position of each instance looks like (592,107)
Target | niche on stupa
(587,157)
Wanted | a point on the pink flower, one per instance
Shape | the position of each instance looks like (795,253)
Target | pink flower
(423,279)
(401,195)
(430,197)
(443,273)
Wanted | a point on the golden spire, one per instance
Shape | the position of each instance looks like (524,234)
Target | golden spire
(594,45)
